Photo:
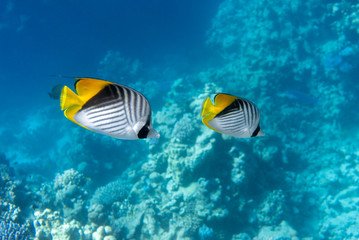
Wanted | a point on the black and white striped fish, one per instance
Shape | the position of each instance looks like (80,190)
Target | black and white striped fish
(231,115)
(108,108)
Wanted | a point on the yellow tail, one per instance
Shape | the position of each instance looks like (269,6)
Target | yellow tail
(68,98)
(208,112)
(207,107)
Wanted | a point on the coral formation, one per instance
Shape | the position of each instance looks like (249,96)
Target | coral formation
(297,60)
(10,230)
(116,191)
(71,194)
(11,224)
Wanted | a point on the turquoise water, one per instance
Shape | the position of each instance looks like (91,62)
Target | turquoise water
(297,61)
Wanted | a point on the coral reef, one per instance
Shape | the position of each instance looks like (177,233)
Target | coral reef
(71,194)
(111,192)
(283,231)
(50,225)
(10,230)
(9,212)
(297,60)
(12,225)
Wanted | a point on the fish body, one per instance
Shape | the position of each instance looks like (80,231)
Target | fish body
(232,115)
(108,108)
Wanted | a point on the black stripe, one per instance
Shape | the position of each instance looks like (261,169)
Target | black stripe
(238,117)
(132,105)
(112,124)
(250,114)
(118,130)
(240,125)
(116,127)
(235,117)
(234,106)
(105,117)
(138,106)
(143,106)
(107,124)
(145,129)
(255,133)
(127,103)
(107,94)
(124,94)
(117,119)
(231,124)
(249,110)
(119,110)
(231,120)
(229,114)
(234,129)
(227,122)
(245,112)
(105,112)
(120,92)
(100,109)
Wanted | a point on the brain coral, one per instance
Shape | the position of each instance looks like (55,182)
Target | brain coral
(110,193)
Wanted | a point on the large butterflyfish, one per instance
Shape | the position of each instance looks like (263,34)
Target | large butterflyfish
(108,108)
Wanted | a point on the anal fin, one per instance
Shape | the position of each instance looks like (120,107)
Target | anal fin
(70,114)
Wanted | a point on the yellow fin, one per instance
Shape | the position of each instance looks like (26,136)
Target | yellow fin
(68,98)
(86,88)
(221,101)
(208,112)
(208,118)
(71,112)
(207,107)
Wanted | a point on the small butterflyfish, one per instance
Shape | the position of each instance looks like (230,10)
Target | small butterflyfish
(234,116)
(108,108)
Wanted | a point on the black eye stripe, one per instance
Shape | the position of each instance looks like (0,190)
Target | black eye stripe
(255,133)
(145,129)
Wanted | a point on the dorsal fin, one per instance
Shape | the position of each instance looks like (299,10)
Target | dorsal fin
(86,88)
(222,100)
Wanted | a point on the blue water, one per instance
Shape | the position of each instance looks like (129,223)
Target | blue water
(297,61)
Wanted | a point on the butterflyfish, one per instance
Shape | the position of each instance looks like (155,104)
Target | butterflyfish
(108,108)
(231,115)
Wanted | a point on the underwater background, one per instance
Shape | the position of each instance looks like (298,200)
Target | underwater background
(296,60)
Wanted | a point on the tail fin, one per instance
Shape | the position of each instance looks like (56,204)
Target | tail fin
(260,133)
(68,98)
(153,134)
(207,107)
